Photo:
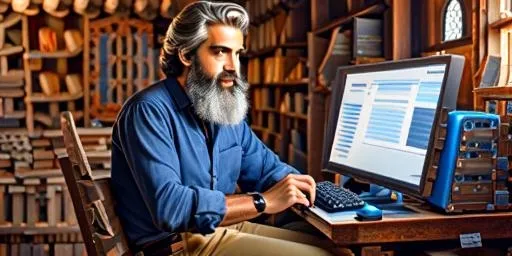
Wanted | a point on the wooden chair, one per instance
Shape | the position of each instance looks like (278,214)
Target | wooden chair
(92,198)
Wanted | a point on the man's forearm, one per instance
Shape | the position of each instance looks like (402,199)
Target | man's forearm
(239,208)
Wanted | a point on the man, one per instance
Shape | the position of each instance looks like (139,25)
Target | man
(181,146)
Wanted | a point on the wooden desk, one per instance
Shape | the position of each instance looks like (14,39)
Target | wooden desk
(422,225)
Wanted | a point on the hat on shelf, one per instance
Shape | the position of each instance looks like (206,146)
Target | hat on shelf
(73,40)
(57,8)
(26,7)
(111,6)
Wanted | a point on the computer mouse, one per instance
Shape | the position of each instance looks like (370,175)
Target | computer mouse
(368,213)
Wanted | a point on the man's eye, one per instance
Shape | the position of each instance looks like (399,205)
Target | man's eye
(219,51)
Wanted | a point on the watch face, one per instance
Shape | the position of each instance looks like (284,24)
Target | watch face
(259,201)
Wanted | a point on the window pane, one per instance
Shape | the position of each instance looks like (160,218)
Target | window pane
(453,21)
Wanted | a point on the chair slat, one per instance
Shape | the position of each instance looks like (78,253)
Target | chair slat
(92,199)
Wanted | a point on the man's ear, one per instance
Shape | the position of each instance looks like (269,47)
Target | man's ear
(184,59)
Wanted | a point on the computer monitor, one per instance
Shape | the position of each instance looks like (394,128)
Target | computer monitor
(383,119)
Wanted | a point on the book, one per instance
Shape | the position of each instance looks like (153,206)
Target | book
(367,38)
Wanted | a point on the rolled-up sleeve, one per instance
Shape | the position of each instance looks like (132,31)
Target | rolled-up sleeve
(147,143)
(261,168)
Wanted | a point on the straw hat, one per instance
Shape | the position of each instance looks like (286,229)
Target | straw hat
(20,5)
(25,6)
(110,6)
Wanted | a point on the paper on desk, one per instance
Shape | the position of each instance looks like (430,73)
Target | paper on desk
(344,216)
(335,216)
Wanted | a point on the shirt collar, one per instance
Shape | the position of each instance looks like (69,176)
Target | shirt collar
(178,93)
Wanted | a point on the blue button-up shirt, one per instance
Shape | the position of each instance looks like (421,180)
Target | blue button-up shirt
(162,175)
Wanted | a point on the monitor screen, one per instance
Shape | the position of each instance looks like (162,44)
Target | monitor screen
(382,120)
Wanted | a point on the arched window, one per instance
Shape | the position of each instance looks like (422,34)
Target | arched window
(453,20)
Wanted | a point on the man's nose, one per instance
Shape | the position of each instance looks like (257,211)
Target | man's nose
(231,62)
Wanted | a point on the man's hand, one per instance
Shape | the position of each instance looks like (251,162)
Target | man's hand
(290,191)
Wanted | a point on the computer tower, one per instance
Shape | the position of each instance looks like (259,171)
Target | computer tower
(467,177)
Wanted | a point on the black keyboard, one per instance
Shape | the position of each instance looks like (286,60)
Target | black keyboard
(332,198)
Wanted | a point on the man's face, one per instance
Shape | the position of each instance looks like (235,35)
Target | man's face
(214,84)
(221,52)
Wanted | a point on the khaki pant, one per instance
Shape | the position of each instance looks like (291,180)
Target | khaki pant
(247,238)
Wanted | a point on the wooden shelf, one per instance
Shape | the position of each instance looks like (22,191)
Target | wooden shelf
(10,50)
(47,120)
(10,85)
(501,23)
(17,114)
(39,173)
(258,128)
(11,20)
(12,93)
(270,50)
(61,97)
(375,8)
(301,83)
(8,229)
(497,93)
(107,131)
(322,89)
(51,55)
(272,110)
(265,130)
(282,5)
(295,115)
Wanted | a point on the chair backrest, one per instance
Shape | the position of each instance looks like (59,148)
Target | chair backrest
(92,198)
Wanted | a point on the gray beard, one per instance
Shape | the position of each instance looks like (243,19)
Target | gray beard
(212,102)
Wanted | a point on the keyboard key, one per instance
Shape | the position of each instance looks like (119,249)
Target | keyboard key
(332,198)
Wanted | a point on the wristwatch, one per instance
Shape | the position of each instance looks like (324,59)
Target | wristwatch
(259,201)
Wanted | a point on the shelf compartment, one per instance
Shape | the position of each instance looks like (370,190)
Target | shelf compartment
(376,8)
(295,115)
(52,55)
(61,97)
(497,93)
(12,93)
(501,23)
(270,50)
(17,114)
(10,50)
(271,110)
(48,121)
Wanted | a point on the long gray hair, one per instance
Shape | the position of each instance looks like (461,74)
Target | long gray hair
(189,30)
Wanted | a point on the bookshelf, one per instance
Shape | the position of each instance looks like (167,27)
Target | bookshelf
(496,99)
(289,115)
(52,79)
(343,33)
(47,65)
(277,74)
(11,70)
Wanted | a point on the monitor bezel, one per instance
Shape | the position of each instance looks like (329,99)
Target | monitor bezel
(453,74)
